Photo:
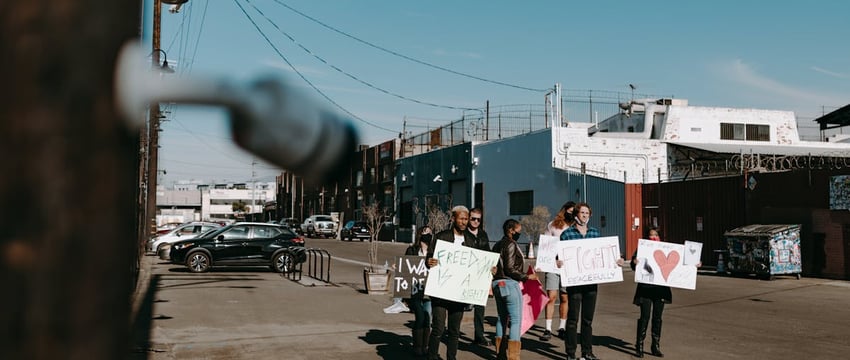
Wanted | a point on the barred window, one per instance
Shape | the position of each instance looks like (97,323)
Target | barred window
(758,132)
(750,132)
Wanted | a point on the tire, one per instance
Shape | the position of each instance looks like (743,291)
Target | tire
(198,262)
(282,262)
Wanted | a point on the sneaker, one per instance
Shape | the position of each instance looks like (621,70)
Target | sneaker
(483,342)
(589,356)
(562,333)
(396,308)
(546,335)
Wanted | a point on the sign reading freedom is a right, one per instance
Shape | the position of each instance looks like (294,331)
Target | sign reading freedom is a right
(590,261)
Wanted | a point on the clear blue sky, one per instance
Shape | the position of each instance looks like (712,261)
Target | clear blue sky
(784,55)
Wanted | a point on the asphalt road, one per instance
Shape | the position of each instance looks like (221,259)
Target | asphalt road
(235,313)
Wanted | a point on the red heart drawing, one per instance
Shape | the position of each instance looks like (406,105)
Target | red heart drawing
(666,263)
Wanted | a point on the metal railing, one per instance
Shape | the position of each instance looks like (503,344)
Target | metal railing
(318,263)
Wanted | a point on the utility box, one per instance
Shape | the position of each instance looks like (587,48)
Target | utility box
(764,250)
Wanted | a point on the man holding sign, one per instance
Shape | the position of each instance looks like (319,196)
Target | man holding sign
(583,297)
(442,281)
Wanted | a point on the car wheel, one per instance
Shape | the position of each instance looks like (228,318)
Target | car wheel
(282,263)
(198,262)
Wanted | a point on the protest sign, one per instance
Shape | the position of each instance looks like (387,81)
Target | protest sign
(547,250)
(662,263)
(462,273)
(534,298)
(590,261)
(410,275)
(693,253)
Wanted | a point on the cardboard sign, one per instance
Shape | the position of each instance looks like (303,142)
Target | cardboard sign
(693,252)
(534,299)
(410,276)
(547,250)
(462,273)
(590,261)
(662,263)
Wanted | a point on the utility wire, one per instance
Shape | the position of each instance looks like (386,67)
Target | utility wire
(200,31)
(405,56)
(348,74)
(302,75)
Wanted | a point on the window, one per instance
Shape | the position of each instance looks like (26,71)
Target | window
(521,202)
(236,232)
(265,232)
(751,132)
(731,131)
(758,132)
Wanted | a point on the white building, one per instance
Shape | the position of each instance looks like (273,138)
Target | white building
(193,201)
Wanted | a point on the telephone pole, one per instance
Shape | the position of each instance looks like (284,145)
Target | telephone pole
(153,129)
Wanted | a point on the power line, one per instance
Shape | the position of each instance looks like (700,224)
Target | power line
(355,78)
(302,75)
(405,56)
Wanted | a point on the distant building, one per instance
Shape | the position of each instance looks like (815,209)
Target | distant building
(194,201)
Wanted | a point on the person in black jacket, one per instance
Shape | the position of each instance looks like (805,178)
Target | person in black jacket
(482,242)
(419,304)
(506,290)
(651,299)
(442,309)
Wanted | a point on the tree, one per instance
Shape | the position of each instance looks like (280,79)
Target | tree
(438,219)
(239,207)
(535,224)
(374,215)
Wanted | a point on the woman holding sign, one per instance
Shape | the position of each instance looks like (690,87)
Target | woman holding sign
(420,305)
(651,299)
(506,291)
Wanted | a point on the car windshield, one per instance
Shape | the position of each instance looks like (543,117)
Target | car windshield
(323,218)
(208,232)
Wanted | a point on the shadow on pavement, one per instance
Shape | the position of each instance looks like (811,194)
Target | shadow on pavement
(141,324)
(389,345)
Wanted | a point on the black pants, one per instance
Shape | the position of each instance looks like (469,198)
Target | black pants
(479,322)
(655,308)
(582,301)
(445,310)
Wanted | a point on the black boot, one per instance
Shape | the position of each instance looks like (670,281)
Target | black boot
(641,334)
(656,348)
(656,338)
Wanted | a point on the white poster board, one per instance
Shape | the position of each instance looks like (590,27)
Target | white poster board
(547,250)
(662,263)
(693,252)
(590,261)
(462,273)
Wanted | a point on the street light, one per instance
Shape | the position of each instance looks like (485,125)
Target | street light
(164,68)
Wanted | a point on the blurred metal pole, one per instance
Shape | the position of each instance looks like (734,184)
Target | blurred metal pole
(67,252)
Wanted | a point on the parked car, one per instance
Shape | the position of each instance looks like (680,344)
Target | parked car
(355,230)
(241,244)
(319,225)
(291,223)
(183,232)
(164,251)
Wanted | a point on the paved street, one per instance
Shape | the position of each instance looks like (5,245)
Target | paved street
(234,313)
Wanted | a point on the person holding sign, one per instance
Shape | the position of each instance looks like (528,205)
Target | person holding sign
(420,305)
(552,281)
(507,292)
(651,299)
(442,309)
(582,298)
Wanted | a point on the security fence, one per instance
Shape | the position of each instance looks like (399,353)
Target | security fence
(503,121)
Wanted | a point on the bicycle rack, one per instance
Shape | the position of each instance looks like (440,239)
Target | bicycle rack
(318,266)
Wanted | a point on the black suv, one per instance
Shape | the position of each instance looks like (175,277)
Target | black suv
(355,230)
(244,244)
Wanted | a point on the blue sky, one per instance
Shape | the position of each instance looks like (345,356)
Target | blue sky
(785,56)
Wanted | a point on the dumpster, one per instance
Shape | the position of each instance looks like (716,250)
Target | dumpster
(764,250)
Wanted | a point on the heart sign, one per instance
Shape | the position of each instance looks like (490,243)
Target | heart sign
(666,263)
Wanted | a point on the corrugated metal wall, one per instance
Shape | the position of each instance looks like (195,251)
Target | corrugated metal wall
(698,210)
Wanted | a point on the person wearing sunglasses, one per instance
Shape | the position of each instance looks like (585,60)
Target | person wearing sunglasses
(482,242)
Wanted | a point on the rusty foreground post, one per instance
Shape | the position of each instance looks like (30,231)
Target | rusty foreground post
(68,231)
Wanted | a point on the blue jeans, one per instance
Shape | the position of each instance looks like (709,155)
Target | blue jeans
(509,305)
(421,308)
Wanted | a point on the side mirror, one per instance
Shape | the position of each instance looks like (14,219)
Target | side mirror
(219,238)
